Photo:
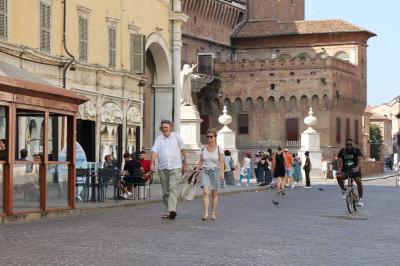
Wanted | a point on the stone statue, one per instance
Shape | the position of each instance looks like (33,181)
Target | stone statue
(186,84)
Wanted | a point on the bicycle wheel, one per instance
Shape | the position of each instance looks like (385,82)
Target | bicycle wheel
(350,202)
(355,199)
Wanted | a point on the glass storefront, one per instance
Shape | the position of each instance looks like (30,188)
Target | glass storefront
(3,153)
(26,187)
(57,186)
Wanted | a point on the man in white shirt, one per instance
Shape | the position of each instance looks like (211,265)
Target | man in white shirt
(170,152)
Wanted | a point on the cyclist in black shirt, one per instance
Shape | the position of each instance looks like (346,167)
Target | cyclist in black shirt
(349,160)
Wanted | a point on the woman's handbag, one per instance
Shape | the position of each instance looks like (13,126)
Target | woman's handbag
(232,164)
(189,187)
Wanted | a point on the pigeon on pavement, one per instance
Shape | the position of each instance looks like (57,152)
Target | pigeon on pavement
(320,188)
(275,203)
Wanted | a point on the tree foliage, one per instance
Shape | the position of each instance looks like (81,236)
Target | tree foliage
(375,137)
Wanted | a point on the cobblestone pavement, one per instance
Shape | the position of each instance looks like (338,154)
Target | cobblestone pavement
(310,227)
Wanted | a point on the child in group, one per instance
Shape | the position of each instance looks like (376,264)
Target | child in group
(243,173)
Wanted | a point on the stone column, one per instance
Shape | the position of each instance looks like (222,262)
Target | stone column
(163,100)
(310,141)
(226,137)
(177,18)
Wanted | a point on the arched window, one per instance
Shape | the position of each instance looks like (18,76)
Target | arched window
(249,104)
(237,106)
(282,105)
(228,105)
(303,56)
(323,55)
(271,104)
(315,103)
(325,102)
(292,104)
(342,56)
(284,57)
(216,109)
(260,104)
(304,103)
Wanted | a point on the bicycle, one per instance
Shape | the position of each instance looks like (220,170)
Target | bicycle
(397,177)
(351,193)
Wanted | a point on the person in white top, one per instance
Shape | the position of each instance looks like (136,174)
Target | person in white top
(212,160)
(170,152)
(324,168)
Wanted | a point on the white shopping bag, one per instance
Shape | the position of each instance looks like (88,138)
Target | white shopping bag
(188,188)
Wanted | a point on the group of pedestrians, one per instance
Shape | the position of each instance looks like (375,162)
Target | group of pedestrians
(170,153)
(217,167)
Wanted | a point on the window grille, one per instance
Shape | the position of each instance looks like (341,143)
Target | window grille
(243,123)
(205,64)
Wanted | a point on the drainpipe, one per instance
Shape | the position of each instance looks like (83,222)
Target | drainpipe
(66,67)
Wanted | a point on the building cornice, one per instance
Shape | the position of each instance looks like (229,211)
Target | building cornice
(178,16)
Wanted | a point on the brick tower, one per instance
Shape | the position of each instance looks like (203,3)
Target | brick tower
(280,10)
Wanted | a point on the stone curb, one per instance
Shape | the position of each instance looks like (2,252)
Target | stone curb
(50,215)
(30,217)
(379,177)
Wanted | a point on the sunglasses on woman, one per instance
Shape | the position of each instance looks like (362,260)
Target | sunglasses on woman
(210,136)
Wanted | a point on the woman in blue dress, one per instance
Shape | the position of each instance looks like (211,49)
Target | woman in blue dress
(296,167)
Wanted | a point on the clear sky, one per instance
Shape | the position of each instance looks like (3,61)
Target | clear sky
(382,18)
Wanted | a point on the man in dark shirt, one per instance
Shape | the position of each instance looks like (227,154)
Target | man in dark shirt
(130,173)
(349,161)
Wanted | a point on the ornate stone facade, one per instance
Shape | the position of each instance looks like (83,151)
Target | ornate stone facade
(273,65)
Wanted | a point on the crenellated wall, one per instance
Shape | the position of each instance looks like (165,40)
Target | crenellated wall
(272,91)
(212,19)
(281,64)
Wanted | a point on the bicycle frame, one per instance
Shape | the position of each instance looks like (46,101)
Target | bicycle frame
(351,194)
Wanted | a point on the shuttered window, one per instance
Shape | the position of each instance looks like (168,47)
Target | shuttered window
(112,53)
(3,18)
(243,123)
(45,25)
(83,39)
(205,64)
(137,47)
(292,129)
(338,130)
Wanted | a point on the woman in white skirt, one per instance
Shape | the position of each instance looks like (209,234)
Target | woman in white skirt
(212,161)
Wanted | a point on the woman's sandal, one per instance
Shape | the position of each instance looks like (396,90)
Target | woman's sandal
(165,216)
(213,218)
(204,218)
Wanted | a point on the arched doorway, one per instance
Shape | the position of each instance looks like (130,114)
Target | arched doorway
(158,93)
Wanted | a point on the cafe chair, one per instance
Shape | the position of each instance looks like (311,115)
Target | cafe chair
(108,177)
(82,184)
(138,184)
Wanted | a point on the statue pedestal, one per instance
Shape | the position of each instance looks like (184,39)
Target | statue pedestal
(310,141)
(226,138)
(190,132)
